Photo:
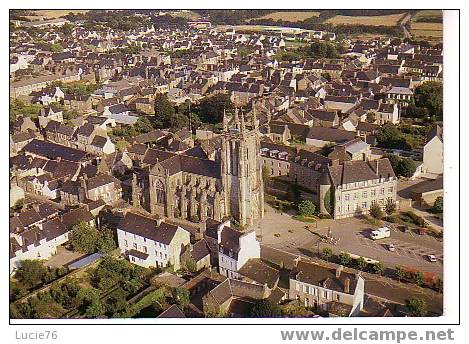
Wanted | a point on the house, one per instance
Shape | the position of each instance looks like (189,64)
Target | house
(235,248)
(433,151)
(199,253)
(333,290)
(319,136)
(102,186)
(230,248)
(18,141)
(151,243)
(341,103)
(51,113)
(23,124)
(356,185)
(233,298)
(37,243)
(101,146)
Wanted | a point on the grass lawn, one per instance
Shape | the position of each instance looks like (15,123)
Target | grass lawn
(306,219)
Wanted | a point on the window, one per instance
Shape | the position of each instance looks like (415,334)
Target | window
(126,243)
(373,193)
(135,246)
(324,294)
(365,194)
(364,205)
(390,189)
(347,197)
(355,195)
(337,297)
(382,191)
(145,249)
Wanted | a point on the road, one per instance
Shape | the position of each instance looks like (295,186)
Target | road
(403,23)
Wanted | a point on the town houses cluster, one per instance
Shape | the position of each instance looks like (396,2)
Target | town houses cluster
(198,193)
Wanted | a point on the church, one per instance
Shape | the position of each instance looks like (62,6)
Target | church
(226,184)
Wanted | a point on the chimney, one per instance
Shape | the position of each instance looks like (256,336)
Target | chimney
(347,285)
(202,229)
(338,271)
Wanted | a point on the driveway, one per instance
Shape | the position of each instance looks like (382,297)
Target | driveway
(63,257)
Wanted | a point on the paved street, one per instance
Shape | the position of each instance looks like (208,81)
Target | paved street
(283,232)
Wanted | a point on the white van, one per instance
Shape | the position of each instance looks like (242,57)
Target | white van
(381,233)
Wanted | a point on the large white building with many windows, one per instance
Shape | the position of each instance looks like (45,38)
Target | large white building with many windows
(151,243)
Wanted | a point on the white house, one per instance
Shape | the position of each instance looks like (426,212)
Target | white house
(235,248)
(151,243)
(433,151)
(333,290)
(37,243)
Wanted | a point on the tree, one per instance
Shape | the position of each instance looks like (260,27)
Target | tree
(418,278)
(375,210)
(31,273)
(265,309)
(400,272)
(84,238)
(266,175)
(211,109)
(56,48)
(327,253)
(390,207)
(87,239)
(389,136)
(106,242)
(438,205)
(370,117)
(143,125)
(417,307)
(378,268)
(191,265)
(164,111)
(361,263)
(181,297)
(429,95)
(306,208)
(406,167)
(344,258)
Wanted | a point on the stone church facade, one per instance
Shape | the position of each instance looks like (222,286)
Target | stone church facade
(190,187)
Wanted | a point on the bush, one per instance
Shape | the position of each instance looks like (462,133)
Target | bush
(417,220)
(265,309)
(390,206)
(306,208)
(376,211)
(438,205)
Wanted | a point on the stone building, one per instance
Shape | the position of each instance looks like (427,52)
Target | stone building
(228,186)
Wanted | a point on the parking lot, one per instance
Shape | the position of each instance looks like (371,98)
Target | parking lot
(283,232)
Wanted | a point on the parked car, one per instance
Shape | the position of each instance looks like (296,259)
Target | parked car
(431,258)
(391,247)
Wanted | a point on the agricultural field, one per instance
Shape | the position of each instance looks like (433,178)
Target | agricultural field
(186,14)
(387,20)
(291,16)
(51,14)
(432,30)
(427,16)
(426,24)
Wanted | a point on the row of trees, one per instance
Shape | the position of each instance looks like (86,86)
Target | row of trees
(32,274)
